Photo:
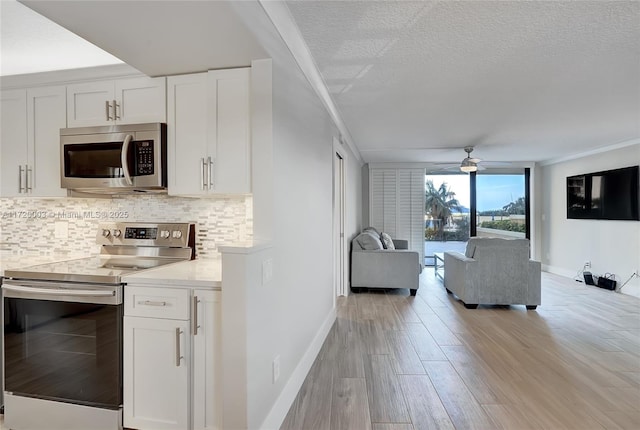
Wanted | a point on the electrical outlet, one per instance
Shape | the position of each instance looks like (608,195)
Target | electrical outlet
(587,264)
(276,368)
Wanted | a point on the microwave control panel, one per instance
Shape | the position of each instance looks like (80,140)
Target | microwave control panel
(144,157)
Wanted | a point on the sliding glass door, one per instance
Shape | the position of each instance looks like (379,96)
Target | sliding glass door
(488,203)
(501,204)
(447,209)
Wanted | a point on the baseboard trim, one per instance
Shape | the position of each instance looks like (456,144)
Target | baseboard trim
(280,408)
(559,271)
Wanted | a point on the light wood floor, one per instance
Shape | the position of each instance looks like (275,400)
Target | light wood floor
(395,362)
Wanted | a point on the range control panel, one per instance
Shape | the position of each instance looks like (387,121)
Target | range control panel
(176,235)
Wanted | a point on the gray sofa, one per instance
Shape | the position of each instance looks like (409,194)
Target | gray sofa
(373,266)
(493,271)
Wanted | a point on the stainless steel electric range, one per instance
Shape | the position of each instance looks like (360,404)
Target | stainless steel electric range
(62,329)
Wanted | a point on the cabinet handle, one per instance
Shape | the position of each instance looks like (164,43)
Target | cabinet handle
(20,187)
(151,303)
(108,108)
(210,171)
(203,179)
(116,113)
(29,177)
(195,315)
(178,356)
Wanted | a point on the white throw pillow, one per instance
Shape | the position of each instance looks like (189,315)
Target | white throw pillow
(369,241)
(387,242)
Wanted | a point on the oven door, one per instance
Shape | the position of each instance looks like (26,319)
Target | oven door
(63,344)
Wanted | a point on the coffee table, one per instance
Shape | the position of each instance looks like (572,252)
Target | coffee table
(438,263)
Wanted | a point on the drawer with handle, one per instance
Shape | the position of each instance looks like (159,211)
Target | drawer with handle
(153,302)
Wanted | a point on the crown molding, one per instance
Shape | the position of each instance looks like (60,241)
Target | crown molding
(596,151)
(58,77)
(283,22)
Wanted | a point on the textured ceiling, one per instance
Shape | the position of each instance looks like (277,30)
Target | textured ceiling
(522,81)
(413,81)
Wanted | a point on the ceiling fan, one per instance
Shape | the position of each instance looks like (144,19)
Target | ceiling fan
(470,164)
(467,165)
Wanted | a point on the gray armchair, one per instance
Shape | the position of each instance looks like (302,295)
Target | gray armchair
(493,271)
(372,266)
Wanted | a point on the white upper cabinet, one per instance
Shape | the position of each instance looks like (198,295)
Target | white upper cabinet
(46,116)
(229,138)
(30,142)
(187,133)
(140,100)
(209,133)
(13,142)
(123,101)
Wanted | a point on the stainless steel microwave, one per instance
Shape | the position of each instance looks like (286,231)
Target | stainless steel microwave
(116,159)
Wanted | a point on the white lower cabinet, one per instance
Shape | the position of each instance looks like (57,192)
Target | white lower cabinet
(156,373)
(172,364)
(207,387)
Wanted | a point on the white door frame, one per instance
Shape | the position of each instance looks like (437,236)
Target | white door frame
(340,250)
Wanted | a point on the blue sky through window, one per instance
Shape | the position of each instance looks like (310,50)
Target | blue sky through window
(494,191)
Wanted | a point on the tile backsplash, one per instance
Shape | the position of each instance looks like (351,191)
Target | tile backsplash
(68,227)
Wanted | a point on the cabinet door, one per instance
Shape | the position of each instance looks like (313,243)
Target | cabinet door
(87,104)
(187,133)
(140,100)
(207,396)
(46,109)
(229,137)
(13,142)
(156,383)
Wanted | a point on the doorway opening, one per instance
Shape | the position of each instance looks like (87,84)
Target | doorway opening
(339,242)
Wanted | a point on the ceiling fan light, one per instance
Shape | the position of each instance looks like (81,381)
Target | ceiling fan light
(468,166)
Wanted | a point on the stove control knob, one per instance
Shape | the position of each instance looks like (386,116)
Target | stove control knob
(116,233)
(106,233)
(177,234)
(164,234)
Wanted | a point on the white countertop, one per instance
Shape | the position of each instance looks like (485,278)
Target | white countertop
(19,261)
(206,273)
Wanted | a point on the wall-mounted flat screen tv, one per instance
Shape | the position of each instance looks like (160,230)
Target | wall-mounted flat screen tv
(609,195)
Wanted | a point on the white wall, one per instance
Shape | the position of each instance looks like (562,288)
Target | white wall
(292,202)
(611,246)
(292,319)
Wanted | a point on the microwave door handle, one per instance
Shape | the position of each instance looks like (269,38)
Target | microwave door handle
(123,159)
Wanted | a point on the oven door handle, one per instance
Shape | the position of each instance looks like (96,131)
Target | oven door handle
(58,292)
